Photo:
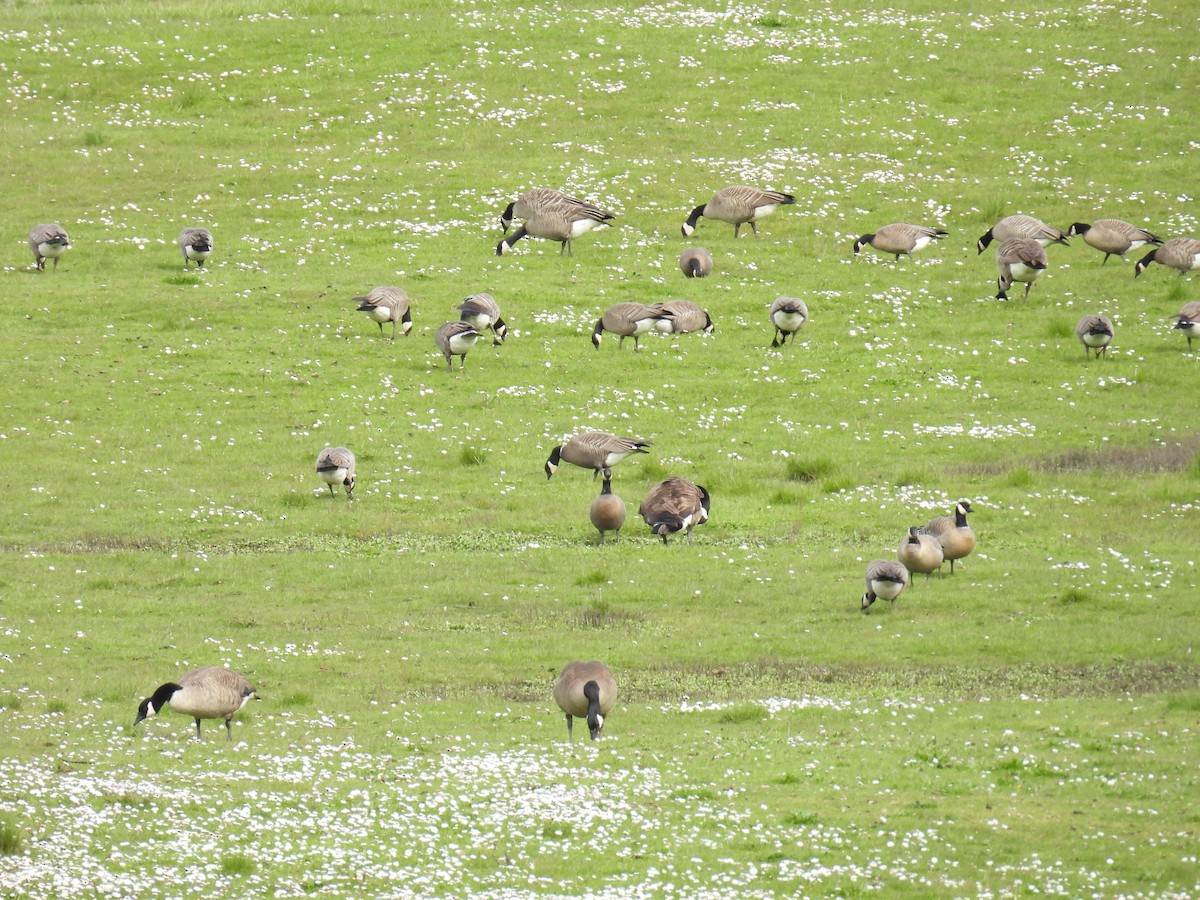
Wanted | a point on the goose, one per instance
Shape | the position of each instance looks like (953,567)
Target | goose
(195,244)
(886,579)
(595,450)
(675,504)
(788,315)
(481,311)
(456,339)
(1178,253)
(921,553)
(1112,236)
(696,262)
(1187,320)
(607,511)
(587,690)
(48,242)
(1095,332)
(685,317)
(900,239)
(335,465)
(1019,259)
(738,205)
(536,199)
(1011,227)
(561,222)
(387,304)
(207,693)
(953,533)
(629,320)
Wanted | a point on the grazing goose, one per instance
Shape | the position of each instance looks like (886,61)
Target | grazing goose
(456,339)
(335,465)
(195,244)
(387,304)
(629,320)
(1187,320)
(789,315)
(675,504)
(738,205)
(48,242)
(1112,236)
(696,262)
(561,222)
(208,693)
(1019,259)
(886,579)
(607,511)
(685,317)
(481,311)
(1095,333)
(953,533)
(595,450)
(587,690)
(921,553)
(535,200)
(900,239)
(1178,253)
(1011,227)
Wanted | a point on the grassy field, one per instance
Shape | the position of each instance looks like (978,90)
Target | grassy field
(1026,726)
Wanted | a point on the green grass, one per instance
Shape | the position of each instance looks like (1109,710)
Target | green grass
(159,428)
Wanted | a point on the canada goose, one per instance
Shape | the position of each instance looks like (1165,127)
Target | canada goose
(1178,253)
(921,553)
(789,315)
(1095,333)
(387,304)
(1011,227)
(335,465)
(562,222)
(587,690)
(1187,320)
(953,533)
(629,320)
(208,693)
(596,450)
(195,244)
(1112,236)
(900,239)
(886,579)
(675,504)
(1019,259)
(607,511)
(482,311)
(456,339)
(685,317)
(537,199)
(48,242)
(696,262)
(738,205)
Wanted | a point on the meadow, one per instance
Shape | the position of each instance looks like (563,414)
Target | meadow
(1026,726)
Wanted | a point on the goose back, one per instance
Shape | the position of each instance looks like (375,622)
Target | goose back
(788,316)
(48,242)
(455,339)
(336,465)
(387,304)
(675,504)
(886,580)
